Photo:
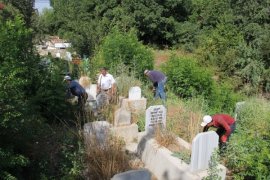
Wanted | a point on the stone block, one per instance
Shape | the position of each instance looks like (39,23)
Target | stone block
(96,131)
(122,117)
(128,133)
(134,106)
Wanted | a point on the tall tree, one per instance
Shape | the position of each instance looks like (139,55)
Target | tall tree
(25,7)
(17,72)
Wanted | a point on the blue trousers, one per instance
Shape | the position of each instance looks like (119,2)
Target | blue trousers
(160,92)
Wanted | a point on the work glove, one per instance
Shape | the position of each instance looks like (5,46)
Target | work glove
(223,139)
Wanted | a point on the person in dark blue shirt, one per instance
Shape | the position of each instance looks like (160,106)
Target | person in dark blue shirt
(158,79)
(77,90)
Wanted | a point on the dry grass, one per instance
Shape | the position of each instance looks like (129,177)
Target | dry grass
(162,56)
(183,119)
(84,81)
(164,138)
(104,161)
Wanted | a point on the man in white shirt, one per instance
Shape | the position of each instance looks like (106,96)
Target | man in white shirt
(105,87)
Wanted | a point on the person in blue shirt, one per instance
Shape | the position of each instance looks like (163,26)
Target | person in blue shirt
(77,90)
(158,79)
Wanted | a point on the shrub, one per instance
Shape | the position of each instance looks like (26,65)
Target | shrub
(164,138)
(104,161)
(119,47)
(186,78)
(125,81)
(249,149)
(222,98)
(184,117)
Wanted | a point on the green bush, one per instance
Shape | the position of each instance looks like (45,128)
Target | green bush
(186,78)
(119,47)
(222,98)
(248,153)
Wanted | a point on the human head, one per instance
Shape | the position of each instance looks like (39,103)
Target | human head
(67,78)
(206,119)
(146,72)
(103,71)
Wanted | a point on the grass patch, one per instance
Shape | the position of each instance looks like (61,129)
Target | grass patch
(164,138)
(106,159)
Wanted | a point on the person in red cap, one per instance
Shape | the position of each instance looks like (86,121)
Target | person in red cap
(224,123)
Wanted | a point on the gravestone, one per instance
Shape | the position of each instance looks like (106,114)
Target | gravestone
(68,56)
(122,117)
(155,115)
(238,107)
(141,174)
(96,132)
(58,55)
(134,106)
(134,93)
(203,145)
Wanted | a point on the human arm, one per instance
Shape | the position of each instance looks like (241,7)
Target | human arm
(205,128)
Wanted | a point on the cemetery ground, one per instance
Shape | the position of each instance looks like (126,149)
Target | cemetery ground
(183,119)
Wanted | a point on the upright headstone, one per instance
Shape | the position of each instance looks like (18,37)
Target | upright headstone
(58,55)
(238,107)
(203,145)
(134,93)
(122,117)
(155,115)
(68,56)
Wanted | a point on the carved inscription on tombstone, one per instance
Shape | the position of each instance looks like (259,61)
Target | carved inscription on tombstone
(155,115)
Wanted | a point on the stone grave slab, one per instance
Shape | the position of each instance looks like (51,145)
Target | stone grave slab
(203,145)
(122,117)
(155,115)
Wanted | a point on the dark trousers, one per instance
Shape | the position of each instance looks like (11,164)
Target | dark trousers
(82,100)
(221,131)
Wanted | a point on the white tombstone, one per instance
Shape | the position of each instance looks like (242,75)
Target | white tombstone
(155,115)
(238,107)
(58,55)
(203,145)
(122,117)
(135,93)
(68,56)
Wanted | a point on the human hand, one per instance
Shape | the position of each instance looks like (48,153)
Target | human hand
(223,139)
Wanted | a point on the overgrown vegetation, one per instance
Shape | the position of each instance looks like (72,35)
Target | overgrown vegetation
(213,171)
(248,151)
(120,48)
(105,157)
